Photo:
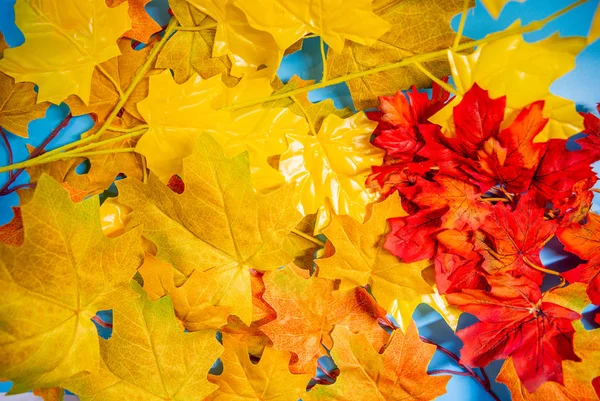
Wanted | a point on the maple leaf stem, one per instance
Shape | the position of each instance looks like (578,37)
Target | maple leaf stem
(461,25)
(419,58)
(539,268)
(112,80)
(509,196)
(126,130)
(494,199)
(324,59)
(448,372)
(144,169)
(597,190)
(101,322)
(435,79)
(308,119)
(196,28)
(8,147)
(485,382)
(308,237)
(72,155)
(33,156)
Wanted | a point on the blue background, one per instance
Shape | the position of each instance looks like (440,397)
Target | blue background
(581,85)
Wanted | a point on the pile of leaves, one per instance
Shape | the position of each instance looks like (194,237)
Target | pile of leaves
(262,246)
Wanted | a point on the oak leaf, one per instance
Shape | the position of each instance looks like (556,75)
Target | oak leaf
(65,271)
(269,379)
(416,27)
(307,310)
(218,226)
(142,24)
(288,21)
(399,373)
(516,321)
(504,66)
(149,357)
(191,301)
(584,241)
(334,165)
(64,45)
(360,259)
(189,52)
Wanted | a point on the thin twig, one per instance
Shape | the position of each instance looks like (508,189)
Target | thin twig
(539,268)
(461,25)
(8,147)
(448,372)
(324,59)
(494,199)
(111,79)
(308,237)
(435,79)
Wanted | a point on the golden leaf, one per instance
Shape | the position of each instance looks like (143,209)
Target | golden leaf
(399,373)
(418,26)
(65,271)
(495,6)
(218,225)
(63,45)
(149,357)
(269,379)
(142,24)
(290,20)
(333,165)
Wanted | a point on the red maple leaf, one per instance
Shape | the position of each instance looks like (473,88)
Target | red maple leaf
(515,322)
(412,238)
(515,239)
(584,241)
(591,142)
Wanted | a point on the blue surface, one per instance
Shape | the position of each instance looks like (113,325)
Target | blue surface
(582,85)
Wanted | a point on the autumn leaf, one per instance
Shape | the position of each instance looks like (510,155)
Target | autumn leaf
(173,130)
(104,95)
(148,354)
(584,241)
(307,310)
(399,373)
(288,21)
(262,313)
(191,301)
(269,379)
(515,321)
(218,226)
(516,238)
(360,259)
(64,45)
(190,52)
(416,27)
(12,233)
(247,48)
(334,165)
(505,66)
(302,248)
(65,271)
(142,25)
(19,106)
(577,375)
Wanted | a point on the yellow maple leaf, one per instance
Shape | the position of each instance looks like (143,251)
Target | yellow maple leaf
(17,105)
(290,20)
(495,6)
(248,48)
(189,52)
(177,114)
(360,259)
(333,165)
(504,67)
(218,225)
(191,301)
(64,44)
(417,27)
(65,271)
(269,379)
(149,357)
(399,373)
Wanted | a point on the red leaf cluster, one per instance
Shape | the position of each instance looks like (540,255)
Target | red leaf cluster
(483,200)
